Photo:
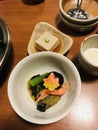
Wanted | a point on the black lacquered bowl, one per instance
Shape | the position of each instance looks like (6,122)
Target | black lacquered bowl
(5,43)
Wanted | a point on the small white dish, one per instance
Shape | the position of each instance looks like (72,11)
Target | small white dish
(40,63)
(88,56)
(66,41)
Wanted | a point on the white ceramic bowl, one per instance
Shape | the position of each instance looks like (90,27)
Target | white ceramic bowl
(39,63)
(90,6)
(88,56)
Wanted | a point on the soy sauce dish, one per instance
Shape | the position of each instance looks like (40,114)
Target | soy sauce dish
(33,70)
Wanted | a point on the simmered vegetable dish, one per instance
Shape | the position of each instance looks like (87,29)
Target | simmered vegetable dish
(46,89)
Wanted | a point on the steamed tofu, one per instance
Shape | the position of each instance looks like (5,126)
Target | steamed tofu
(47,42)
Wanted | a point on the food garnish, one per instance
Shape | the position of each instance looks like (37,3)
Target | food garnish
(46,39)
(47,89)
(51,82)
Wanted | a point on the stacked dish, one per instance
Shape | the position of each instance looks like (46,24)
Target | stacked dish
(81,25)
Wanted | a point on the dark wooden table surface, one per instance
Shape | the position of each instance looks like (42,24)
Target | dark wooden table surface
(21,19)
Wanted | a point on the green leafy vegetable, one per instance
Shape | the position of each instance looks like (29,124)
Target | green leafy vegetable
(37,80)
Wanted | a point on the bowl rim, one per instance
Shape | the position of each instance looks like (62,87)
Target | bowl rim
(74,20)
(54,119)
